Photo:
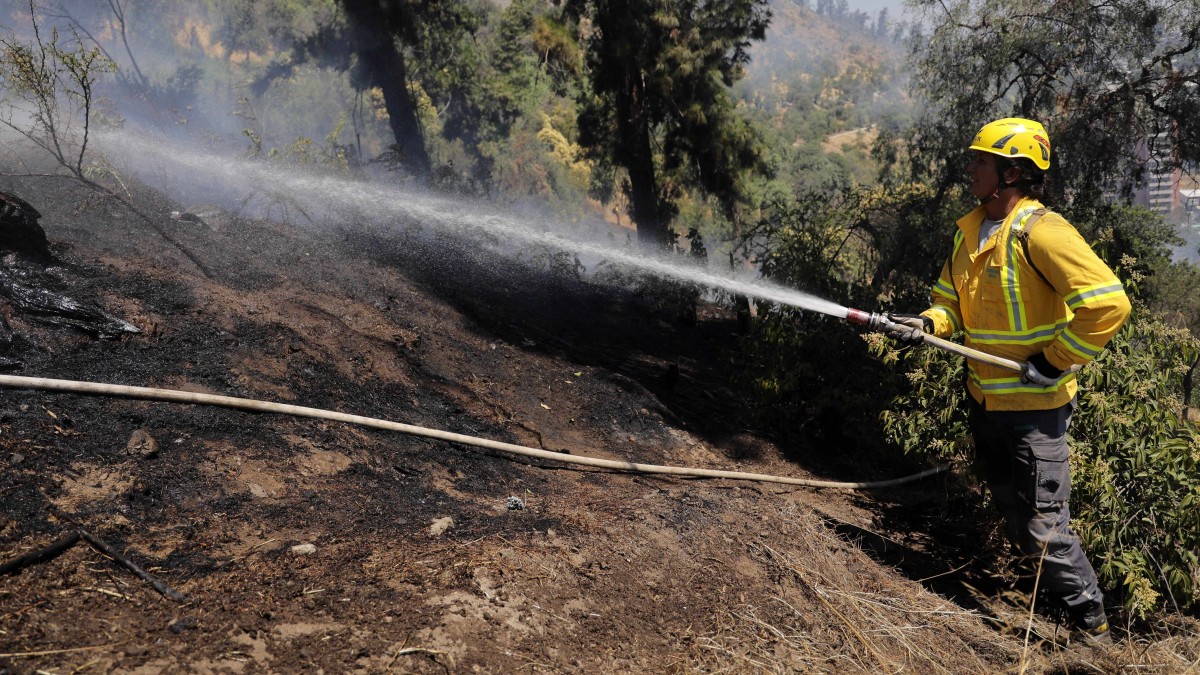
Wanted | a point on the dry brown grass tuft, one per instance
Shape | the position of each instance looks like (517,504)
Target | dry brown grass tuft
(832,611)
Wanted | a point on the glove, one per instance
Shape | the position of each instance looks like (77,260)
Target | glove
(1039,371)
(910,328)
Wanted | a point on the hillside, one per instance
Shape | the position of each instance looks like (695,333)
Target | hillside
(419,560)
(817,76)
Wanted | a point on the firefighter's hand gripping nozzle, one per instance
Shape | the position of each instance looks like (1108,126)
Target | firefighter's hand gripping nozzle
(880,322)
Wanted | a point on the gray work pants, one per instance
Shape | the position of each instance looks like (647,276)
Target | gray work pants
(1023,454)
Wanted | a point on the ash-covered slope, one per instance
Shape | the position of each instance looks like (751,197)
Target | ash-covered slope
(307,546)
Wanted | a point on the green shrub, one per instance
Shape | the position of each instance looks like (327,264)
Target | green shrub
(1137,467)
(928,416)
(1136,499)
(1136,462)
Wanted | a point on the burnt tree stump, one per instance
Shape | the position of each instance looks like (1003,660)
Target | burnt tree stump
(19,229)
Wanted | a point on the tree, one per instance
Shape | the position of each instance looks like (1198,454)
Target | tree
(659,105)
(531,52)
(532,65)
(113,23)
(133,78)
(406,48)
(375,26)
(1114,83)
(51,93)
(882,24)
(49,99)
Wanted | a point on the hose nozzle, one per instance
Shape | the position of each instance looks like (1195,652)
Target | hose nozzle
(880,322)
(872,320)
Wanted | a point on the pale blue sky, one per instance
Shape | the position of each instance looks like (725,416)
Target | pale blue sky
(895,8)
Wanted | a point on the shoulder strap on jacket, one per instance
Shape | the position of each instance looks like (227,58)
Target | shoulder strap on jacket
(1022,236)
(955,242)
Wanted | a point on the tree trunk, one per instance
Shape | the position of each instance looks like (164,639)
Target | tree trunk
(382,65)
(638,158)
(643,195)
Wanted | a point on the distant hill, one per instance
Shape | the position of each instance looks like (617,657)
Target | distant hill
(810,47)
(823,71)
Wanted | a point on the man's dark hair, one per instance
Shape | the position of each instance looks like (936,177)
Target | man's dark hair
(1033,181)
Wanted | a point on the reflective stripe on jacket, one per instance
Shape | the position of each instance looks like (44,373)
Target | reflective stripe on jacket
(1005,308)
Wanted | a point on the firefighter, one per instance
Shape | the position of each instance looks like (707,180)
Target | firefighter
(1020,282)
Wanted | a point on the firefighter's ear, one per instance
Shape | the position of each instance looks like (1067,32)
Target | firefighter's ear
(1012,174)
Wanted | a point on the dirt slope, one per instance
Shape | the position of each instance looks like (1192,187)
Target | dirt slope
(419,562)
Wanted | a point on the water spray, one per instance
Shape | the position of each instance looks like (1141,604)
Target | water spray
(332,196)
(340,198)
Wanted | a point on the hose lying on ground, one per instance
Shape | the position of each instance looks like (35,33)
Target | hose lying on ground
(176,396)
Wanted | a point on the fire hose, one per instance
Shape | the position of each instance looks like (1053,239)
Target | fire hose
(871,320)
(880,322)
(177,396)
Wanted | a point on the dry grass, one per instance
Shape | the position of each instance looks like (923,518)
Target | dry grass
(833,612)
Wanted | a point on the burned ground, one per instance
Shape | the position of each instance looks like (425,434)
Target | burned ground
(419,560)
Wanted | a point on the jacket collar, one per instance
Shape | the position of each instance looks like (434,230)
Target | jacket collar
(970,224)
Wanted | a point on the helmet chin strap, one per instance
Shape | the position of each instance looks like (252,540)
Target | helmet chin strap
(1000,186)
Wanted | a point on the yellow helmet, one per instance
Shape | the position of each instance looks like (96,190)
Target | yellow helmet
(1015,137)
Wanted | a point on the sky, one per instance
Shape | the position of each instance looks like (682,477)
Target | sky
(895,8)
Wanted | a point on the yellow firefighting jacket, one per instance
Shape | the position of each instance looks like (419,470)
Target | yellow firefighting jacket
(1006,308)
